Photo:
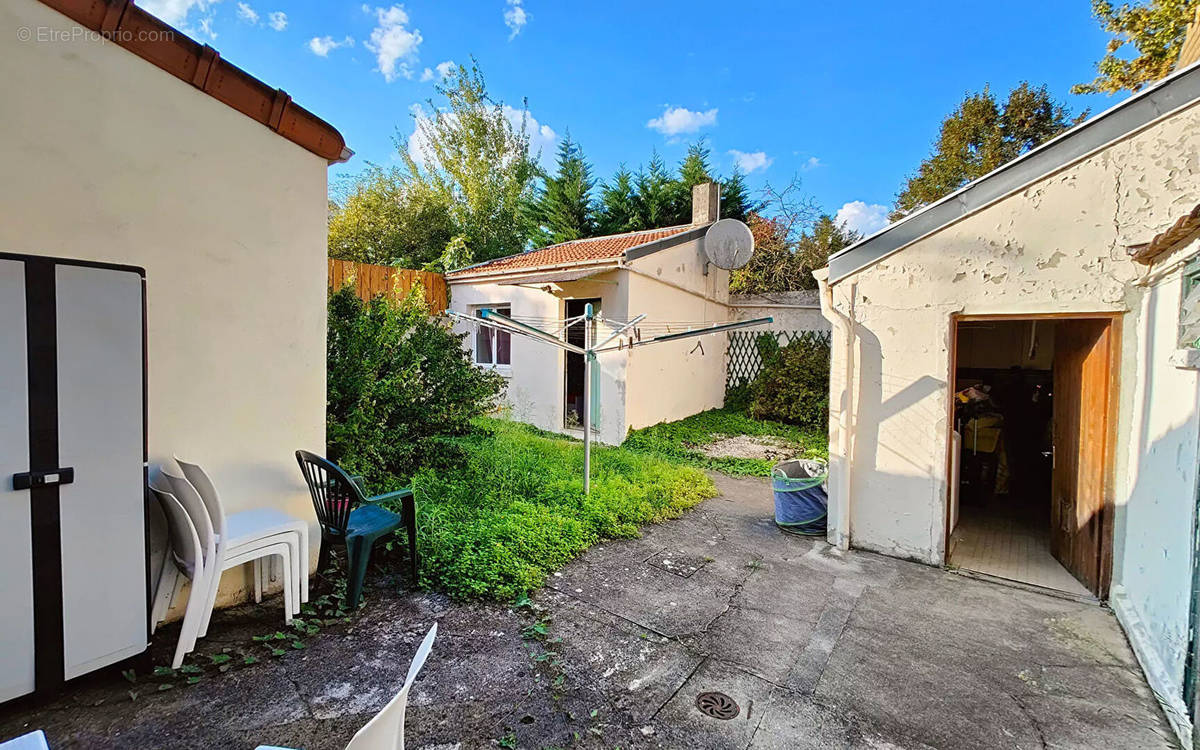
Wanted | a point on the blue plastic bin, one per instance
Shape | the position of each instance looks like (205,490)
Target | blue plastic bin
(801,503)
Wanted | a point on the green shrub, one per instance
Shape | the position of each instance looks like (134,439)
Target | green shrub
(514,510)
(793,386)
(399,384)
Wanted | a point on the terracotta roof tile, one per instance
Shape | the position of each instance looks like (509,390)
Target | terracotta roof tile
(575,251)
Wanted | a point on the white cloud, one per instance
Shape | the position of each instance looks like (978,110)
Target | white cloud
(677,120)
(277,20)
(541,137)
(176,12)
(246,13)
(440,72)
(811,162)
(207,28)
(752,161)
(864,218)
(515,18)
(321,46)
(394,44)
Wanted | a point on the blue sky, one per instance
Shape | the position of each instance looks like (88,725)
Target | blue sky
(846,95)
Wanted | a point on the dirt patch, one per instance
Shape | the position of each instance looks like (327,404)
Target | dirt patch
(750,446)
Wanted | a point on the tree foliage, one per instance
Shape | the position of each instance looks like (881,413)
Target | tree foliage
(792,238)
(617,210)
(979,136)
(1154,28)
(470,154)
(460,196)
(388,220)
(563,208)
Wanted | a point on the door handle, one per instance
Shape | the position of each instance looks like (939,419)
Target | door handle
(31,479)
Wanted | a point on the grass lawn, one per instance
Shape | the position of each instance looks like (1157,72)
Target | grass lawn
(681,441)
(514,510)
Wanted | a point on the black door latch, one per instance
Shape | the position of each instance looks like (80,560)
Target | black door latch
(31,479)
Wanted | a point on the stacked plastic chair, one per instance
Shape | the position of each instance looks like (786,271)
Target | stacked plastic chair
(205,542)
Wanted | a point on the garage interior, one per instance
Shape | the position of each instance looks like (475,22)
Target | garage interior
(1019,469)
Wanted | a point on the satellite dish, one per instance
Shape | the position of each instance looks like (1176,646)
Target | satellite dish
(728,244)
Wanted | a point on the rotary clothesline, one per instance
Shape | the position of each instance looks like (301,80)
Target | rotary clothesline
(627,334)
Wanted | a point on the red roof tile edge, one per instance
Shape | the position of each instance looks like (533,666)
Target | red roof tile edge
(148,37)
(506,266)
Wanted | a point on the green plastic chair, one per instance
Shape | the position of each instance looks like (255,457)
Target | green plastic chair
(357,522)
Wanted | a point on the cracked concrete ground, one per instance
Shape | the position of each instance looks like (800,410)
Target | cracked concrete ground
(819,650)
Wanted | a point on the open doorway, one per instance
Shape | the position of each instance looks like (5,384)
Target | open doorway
(573,379)
(1030,451)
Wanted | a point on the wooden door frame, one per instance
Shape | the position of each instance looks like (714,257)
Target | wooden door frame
(1114,319)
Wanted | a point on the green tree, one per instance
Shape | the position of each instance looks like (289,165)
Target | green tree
(783,261)
(471,155)
(563,208)
(694,169)
(735,199)
(654,194)
(1155,28)
(825,238)
(385,219)
(618,209)
(979,136)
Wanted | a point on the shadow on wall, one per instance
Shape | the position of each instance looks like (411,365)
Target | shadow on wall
(883,515)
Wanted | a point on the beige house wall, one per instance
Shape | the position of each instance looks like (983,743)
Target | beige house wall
(638,388)
(536,377)
(677,379)
(108,158)
(1057,246)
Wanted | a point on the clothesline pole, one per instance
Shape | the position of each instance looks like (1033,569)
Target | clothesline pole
(587,398)
(590,349)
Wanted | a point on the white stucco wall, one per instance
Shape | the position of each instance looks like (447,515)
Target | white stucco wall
(1058,246)
(1153,559)
(676,379)
(791,311)
(108,158)
(536,377)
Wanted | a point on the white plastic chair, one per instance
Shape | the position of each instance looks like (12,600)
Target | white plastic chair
(184,560)
(385,730)
(35,740)
(240,532)
(218,558)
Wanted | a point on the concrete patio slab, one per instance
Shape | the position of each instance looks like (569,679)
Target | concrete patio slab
(819,649)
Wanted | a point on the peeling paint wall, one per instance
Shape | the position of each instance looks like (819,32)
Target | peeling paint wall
(1154,525)
(1059,246)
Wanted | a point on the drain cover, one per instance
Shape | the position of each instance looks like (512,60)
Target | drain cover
(717,705)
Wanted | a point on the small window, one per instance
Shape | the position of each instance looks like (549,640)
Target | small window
(1189,306)
(493,348)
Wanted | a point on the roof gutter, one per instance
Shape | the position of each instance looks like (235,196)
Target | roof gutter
(1086,139)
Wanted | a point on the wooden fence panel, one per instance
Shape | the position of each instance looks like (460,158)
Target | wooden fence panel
(371,280)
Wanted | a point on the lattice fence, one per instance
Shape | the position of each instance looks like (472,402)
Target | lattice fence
(742,359)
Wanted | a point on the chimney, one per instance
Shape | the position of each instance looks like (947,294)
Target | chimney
(706,202)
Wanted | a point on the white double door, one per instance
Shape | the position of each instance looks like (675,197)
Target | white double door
(73,559)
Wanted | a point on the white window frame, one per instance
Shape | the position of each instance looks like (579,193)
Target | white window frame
(503,369)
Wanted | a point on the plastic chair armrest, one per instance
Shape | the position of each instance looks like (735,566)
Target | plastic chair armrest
(397,495)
